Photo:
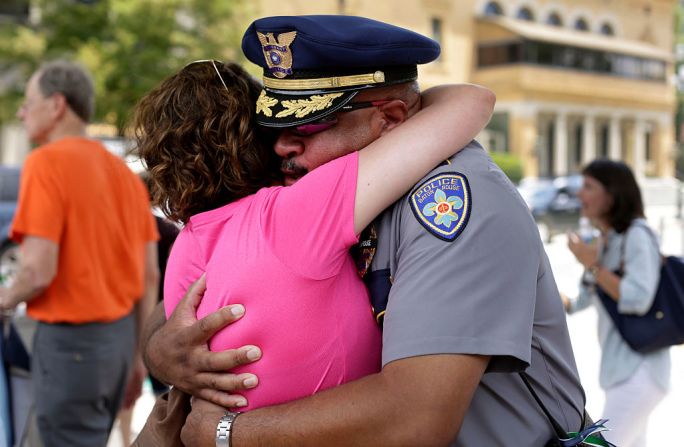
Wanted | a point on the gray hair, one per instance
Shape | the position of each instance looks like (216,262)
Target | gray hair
(72,81)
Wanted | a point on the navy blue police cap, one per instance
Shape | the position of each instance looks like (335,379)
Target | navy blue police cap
(314,65)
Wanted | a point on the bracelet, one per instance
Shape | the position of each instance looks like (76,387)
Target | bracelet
(594,269)
(224,429)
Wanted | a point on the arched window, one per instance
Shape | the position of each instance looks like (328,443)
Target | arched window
(525,14)
(607,29)
(554,19)
(493,9)
(581,24)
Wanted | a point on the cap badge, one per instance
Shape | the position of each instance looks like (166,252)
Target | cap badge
(442,204)
(277,52)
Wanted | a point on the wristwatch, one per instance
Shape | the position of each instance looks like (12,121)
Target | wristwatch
(594,269)
(224,429)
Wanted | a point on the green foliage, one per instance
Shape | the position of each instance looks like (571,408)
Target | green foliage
(679,115)
(510,164)
(129,46)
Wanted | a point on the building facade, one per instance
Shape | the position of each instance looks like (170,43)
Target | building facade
(574,79)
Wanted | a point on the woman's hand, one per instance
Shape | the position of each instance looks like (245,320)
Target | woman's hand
(566,301)
(586,254)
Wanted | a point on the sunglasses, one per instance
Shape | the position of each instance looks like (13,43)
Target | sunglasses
(213,64)
(329,121)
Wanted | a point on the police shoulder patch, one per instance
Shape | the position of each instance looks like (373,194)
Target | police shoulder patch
(442,204)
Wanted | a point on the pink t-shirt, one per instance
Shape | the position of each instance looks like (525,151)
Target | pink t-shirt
(283,253)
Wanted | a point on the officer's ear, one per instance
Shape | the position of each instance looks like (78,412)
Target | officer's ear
(393,113)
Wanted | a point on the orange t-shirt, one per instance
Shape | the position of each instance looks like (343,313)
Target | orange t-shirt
(78,195)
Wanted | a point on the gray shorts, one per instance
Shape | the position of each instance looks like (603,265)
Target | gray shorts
(80,374)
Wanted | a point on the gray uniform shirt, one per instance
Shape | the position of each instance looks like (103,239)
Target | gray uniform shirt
(489,291)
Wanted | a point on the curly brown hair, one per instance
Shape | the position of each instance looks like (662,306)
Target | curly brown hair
(199,140)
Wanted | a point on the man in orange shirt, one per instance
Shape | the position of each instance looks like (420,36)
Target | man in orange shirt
(88,268)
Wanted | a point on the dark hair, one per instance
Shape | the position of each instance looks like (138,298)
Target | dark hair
(199,140)
(618,180)
(73,82)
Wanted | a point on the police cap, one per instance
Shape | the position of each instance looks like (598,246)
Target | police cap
(314,65)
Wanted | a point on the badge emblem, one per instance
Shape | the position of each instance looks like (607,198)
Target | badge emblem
(277,52)
(442,204)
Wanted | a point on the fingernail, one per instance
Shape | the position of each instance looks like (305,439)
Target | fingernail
(250,382)
(253,353)
(237,310)
(241,403)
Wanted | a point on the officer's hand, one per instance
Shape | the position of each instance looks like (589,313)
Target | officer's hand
(177,352)
(199,429)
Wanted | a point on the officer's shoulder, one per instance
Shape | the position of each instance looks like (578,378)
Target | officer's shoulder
(469,160)
(441,202)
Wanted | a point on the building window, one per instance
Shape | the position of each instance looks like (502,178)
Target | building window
(603,141)
(569,57)
(607,30)
(579,143)
(437,34)
(554,19)
(436,25)
(15,8)
(500,54)
(581,24)
(525,14)
(493,9)
(550,154)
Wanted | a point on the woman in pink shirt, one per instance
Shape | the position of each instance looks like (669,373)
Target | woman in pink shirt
(283,251)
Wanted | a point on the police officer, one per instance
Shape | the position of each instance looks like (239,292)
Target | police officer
(458,274)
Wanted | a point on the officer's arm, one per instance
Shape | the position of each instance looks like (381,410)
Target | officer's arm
(37,269)
(414,401)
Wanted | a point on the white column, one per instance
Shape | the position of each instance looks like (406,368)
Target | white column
(14,144)
(614,139)
(639,148)
(560,144)
(588,139)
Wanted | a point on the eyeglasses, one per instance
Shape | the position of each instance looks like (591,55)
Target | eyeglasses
(329,121)
(213,64)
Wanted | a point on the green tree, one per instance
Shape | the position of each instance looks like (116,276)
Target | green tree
(510,164)
(679,115)
(129,46)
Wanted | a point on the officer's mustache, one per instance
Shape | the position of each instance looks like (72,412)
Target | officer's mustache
(291,168)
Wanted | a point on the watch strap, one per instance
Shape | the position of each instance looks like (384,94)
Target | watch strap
(594,269)
(224,429)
